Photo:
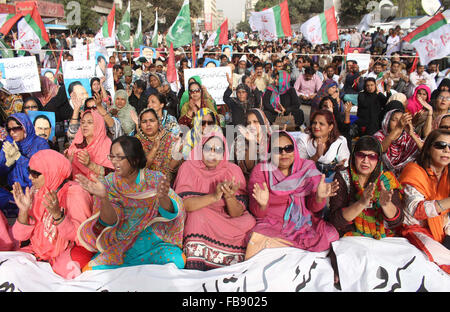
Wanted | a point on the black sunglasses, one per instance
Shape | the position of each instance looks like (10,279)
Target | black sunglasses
(17,128)
(35,174)
(441,145)
(288,149)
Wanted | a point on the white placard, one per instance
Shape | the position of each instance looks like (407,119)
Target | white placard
(20,74)
(364,264)
(213,78)
(79,69)
(80,53)
(362,59)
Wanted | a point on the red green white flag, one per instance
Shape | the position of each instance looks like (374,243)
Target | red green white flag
(272,23)
(106,36)
(31,32)
(321,29)
(431,40)
(219,37)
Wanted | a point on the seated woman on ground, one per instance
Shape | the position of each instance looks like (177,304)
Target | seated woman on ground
(323,144)
(158,144)
(20,145)
(157,102)
(50,213)
(288,195)
(137,218)
(89,149)
(251,143)
(214,195)
(440,108)
(427,189)
(198,98)
(369,202)
(341,115)
(400,143)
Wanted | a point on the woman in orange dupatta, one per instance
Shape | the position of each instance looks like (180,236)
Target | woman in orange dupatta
(427,188)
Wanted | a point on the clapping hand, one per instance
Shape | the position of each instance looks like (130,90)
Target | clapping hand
(325,190)
(366,198)
(163,188)
(22,200)
(230,188)
(94,186)
(385,196)
(83,157)
(261,195)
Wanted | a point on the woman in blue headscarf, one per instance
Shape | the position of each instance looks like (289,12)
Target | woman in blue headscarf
(20,144)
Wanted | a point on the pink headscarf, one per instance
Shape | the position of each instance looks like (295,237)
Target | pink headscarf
(56,168)
(302,181)
(413,104)
(98,149)
(194,173)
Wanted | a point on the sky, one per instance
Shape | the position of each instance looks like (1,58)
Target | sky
(232,9)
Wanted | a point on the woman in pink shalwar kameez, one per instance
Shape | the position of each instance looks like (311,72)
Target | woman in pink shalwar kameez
(51,212)
(287,198)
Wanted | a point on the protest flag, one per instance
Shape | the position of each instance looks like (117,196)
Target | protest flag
(220,36)
(272,23)
(155,32)
(138,39)
(106,35)
(180,32)
(431,40)
(123,33)
(322,28)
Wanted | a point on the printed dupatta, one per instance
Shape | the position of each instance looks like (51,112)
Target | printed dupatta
(303,181)
(281,88)
(136,208)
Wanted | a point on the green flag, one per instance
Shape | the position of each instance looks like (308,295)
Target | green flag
(155,32)
(123,33)
(138,39)
(180,33)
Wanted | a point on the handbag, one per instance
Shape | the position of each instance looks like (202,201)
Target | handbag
(287,121)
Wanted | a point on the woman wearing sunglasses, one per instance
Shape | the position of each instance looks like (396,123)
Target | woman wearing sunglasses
(214,195)
(50,213)
(137,219)
(205,121)
(427,191)
(20,144)
(369,201)
(158,144)
(287,196)
(198,98)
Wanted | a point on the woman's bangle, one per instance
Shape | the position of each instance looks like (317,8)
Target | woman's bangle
(60,218)
(74,119)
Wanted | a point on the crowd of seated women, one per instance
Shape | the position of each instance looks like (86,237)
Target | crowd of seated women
(131,187)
